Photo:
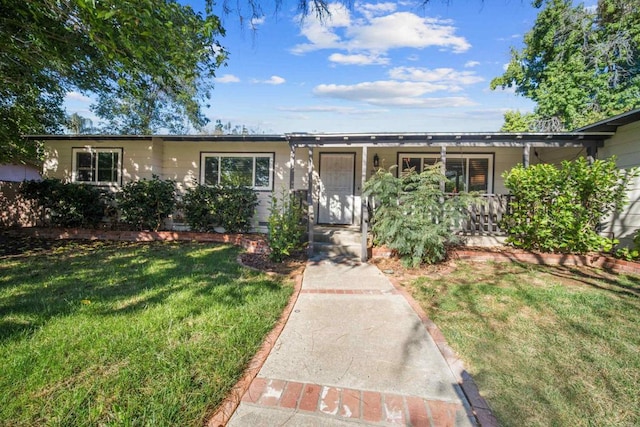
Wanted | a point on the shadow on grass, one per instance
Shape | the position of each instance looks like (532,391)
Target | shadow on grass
(534,336)
(61,278)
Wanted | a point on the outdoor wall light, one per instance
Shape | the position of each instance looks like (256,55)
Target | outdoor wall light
(376,160)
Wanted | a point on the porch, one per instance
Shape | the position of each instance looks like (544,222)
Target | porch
(338,165)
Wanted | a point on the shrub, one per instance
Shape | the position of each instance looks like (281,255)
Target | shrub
(560,209)
(145,204)
(413,215)
(631,253)
(67,204)
(231,208)
(286,228)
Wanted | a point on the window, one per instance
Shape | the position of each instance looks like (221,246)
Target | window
(251,170)
(97,166)
(464,172)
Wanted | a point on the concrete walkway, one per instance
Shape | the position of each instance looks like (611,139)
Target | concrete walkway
(353,352)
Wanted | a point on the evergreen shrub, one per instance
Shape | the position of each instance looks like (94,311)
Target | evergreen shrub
(413,215)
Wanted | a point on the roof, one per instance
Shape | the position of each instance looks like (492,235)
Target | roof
(453,138)
(407,139)
(208,138)
(612,124)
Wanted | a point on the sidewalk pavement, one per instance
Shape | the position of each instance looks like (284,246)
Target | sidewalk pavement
(354,352)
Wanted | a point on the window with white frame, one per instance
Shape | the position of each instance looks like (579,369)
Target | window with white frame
(100,166)
(253,170)
(464,172)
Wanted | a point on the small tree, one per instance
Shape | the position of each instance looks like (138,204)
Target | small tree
(413,215)
(286,229)
(560,209)
(145,204)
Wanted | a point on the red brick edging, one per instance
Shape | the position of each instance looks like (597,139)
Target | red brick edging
(508,254)
(590,260)
(351,404)
(226,409)
(252,243)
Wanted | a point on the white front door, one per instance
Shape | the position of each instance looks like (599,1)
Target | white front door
(336,188)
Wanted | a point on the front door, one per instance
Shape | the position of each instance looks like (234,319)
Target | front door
(337,175)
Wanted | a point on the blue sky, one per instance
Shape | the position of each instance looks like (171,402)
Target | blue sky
(374,67)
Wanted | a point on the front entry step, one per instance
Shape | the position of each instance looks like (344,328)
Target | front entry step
(337,241)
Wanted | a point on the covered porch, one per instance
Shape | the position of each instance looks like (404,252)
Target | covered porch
(338,165)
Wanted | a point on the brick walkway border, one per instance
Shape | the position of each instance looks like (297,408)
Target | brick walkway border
(226,409)
(479,405)
(349,404)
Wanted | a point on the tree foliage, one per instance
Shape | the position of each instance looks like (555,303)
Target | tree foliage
(578,65)
(413,215)
(122,51)
(560,209)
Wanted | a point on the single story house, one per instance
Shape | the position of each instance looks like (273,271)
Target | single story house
(331,168)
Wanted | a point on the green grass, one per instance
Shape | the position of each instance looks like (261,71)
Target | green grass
(128,334)
(547,346)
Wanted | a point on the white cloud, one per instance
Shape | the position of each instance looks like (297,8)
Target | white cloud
(77,96)
(375,33)
(405,30)
(256,22)
(370,10)
(227,78)
(274,80)
(331,109)
(471,64)
(391,93)
(448,77)
(321,34)
(358,59)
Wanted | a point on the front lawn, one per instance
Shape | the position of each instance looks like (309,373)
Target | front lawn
(128,334)
(546,345)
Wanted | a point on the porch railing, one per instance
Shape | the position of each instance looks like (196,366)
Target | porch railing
(485,215)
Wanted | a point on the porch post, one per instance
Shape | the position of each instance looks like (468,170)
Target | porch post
(592,153)
(310,200)
(525,155)
(364,212)
(292,166)
(443,166)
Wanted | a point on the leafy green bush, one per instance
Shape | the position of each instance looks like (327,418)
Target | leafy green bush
(228,207)
(631,253)
(67,204)
(286,227)
(560,209)
(145,204)
(412,214)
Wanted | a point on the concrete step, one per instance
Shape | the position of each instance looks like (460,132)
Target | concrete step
(337,236)
(330,249)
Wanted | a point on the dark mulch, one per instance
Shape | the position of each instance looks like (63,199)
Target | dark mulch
(13,243)
(289,267)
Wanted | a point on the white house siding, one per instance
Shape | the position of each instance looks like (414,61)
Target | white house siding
(504,159)
(555,156)
(182,164)
(138,157)
(625,145)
